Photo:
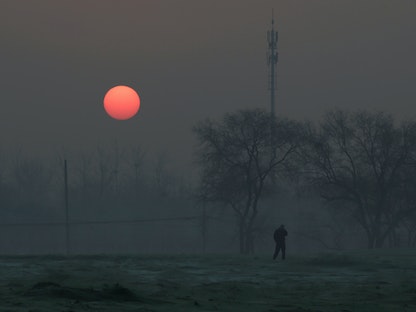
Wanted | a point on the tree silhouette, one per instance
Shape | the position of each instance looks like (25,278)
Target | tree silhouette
(363,159)
(238,157)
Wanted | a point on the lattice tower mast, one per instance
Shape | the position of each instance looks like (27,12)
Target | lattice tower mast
(272,58)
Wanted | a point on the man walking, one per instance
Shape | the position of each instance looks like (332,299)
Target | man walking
(279,238)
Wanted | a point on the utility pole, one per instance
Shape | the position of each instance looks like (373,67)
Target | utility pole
(204,227)
(66,209)
(272,58)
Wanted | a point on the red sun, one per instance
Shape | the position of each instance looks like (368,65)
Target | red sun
(121,102)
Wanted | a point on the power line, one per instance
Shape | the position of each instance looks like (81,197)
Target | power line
(98,222)
(89,222)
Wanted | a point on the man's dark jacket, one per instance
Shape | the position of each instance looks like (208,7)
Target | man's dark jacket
(279,236)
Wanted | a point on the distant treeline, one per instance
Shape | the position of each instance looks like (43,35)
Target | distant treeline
(347,179)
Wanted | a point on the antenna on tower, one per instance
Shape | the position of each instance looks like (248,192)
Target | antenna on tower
(272,58)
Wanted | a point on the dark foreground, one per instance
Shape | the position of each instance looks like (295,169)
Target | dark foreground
(354,281)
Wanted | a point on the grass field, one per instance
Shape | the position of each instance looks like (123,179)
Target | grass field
(382,280)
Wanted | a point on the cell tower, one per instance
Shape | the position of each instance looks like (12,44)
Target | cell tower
(272,62)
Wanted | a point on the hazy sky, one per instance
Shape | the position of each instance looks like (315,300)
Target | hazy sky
(192,59)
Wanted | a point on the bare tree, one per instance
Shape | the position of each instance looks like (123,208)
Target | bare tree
(238,156)
(161,179)
(136,161)
(108,162)
(32,177)
(362,159)
(406,198)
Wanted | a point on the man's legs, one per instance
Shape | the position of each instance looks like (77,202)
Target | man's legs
(276,251)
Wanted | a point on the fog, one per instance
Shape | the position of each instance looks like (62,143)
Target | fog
(191,60)
(133,185)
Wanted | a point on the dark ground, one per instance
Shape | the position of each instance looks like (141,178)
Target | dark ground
(382,280)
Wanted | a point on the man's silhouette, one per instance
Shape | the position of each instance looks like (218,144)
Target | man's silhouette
(279,238)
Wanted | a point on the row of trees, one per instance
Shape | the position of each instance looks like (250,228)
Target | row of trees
(121,199)
(99,181)
(361,162)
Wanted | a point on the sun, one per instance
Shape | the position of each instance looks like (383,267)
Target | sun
(121,102)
